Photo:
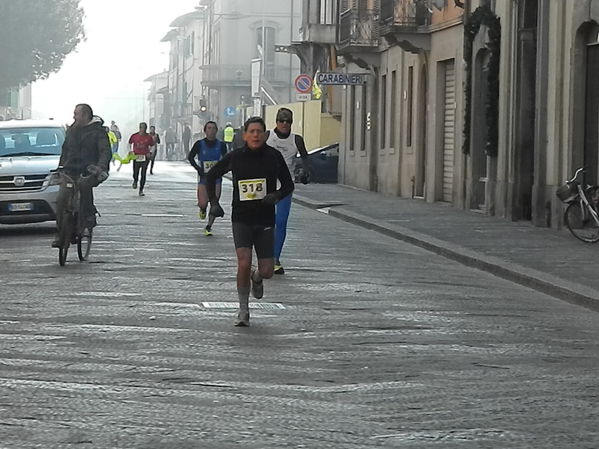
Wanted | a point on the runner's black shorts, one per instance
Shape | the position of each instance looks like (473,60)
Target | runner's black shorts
(261,237)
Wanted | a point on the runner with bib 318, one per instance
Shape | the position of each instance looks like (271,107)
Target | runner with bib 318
(255,168)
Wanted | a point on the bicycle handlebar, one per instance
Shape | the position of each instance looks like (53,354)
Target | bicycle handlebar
(580,170)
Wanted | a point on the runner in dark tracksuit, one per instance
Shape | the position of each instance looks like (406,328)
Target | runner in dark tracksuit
(256,168)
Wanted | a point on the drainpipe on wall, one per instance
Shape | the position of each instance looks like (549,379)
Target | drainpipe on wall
(466,9)
(333,64)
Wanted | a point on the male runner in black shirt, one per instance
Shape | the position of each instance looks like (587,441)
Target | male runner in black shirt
(255,168)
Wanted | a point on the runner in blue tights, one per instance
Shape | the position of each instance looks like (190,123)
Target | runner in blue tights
(288,144)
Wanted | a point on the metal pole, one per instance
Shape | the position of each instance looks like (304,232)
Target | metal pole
(292,4)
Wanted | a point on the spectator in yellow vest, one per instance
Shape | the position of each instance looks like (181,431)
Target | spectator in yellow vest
(112,138)
(228,135)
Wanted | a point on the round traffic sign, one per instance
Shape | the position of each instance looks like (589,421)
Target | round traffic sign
(303,84)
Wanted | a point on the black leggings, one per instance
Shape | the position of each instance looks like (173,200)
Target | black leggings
(137,166)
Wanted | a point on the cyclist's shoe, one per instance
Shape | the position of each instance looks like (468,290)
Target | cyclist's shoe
(202,214)
(257,287)
(134,185)
(243,318)
(279,268)
(141,193)
(208,232)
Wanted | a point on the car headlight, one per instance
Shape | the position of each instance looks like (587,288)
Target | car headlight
(53,179)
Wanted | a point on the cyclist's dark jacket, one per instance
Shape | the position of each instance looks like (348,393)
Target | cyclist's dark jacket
(86,145)
(265,162)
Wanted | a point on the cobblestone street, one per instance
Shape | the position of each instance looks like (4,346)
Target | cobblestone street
(365,342)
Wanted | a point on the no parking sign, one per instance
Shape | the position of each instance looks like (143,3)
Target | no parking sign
(303,84)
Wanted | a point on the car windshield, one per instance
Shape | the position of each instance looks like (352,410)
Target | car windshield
(42,141)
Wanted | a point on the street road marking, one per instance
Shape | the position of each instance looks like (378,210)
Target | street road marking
(106,294)
(253,305)
(324,210)
(162,215)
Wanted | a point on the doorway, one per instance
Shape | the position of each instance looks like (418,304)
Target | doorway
(479,131)
(591,123)
(525,110)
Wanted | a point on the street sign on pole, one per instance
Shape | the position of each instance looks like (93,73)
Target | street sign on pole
(256,77)
(303,84)
(346,79)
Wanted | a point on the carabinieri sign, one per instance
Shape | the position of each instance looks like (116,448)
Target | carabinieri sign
(341,78)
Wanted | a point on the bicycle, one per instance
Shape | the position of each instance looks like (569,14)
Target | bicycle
(581,216)
(75,227)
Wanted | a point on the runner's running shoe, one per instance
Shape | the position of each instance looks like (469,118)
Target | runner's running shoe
(202,214)
(243,319)
(279,268)
(207,232)
(257,287)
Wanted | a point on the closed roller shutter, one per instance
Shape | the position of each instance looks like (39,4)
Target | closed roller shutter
(449,131)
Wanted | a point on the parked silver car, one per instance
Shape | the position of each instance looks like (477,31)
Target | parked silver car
(29,150)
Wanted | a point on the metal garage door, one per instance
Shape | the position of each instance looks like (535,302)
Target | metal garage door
(449,131)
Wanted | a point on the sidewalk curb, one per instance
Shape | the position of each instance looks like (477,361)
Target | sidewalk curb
(554,286)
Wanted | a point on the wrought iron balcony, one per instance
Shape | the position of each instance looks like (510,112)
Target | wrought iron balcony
(406,23)
(404,14)
(358,28)
(239,75)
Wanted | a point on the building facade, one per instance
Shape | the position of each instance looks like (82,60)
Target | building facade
(485,105)
(157,113)
(223,61)
(15,103)
(242,66)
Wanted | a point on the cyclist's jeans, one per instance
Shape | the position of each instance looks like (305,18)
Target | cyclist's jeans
(86,199)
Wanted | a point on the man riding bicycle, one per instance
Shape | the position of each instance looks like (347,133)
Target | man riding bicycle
(85,153)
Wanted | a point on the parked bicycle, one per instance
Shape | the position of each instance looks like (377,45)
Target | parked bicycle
(581,215)
(75,227)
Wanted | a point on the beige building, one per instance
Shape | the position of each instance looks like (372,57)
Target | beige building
(402,127)
(486,105)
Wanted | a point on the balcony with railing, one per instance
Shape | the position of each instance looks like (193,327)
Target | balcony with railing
(407,23)
(217,76)
(358,29)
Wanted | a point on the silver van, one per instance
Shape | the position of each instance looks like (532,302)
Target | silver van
(29,150)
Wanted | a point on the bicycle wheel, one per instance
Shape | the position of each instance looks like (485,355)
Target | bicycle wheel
(65,238)
(581,222)
(84,243)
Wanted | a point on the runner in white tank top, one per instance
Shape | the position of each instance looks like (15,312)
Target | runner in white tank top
(288,144)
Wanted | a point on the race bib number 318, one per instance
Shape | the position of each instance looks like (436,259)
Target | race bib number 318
(252,189)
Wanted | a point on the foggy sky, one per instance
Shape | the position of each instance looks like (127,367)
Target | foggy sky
(107,70)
